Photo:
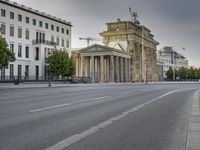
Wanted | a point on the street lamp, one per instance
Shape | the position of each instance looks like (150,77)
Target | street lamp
(49,77)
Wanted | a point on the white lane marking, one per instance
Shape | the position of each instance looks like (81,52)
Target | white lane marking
(126,92)
(97,98)
(77,137)
(47,108)
(67,104)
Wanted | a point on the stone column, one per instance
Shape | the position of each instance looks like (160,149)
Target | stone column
(92,68)
(112,69)
(122,69)
(102,69)
(107,69)
(117,68)
(129,70)
(82,66)
(126,69)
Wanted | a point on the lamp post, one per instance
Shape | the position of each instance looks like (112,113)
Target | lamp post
(142,68)
(173,65)
(49,77)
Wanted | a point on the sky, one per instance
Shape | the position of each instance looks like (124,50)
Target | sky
(173,23)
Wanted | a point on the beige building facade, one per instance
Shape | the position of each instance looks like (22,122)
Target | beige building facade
(139,42)
(128,55)
(103,64)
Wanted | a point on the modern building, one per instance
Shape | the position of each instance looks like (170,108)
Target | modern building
(128,54)
(167,57)
(31,35)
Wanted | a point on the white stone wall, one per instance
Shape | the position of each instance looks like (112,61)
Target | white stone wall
(32,36)
(166,61)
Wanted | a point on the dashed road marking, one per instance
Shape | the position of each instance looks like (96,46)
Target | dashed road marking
(67,104)
(77,137)
(126,92)
(48,108)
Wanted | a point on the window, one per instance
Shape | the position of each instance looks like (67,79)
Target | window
(36,72)
(57,40)
(27,52)
(11,71)
(27,34)
(26,72)
(11,31)
(27,20)
(3,73)
(52,38)
(46,25)
(67,44)
(57,29)
(67,32)
(19,32)
(19,51)
(12,15)
(52,27)
(19,71)
(34,22)
(63,43)
(12,47)
(3,29)
(37,53)
(63,31)
(20,18)
(40,23)
(3,13)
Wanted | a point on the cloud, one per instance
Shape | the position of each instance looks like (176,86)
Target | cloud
(171,21)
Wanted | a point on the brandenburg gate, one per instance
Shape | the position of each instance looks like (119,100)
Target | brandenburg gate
(128,55)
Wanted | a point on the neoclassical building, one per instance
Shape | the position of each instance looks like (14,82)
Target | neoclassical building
(103,64)
(31,35)
(128,54)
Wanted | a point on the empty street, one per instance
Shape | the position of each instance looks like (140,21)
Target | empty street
(97,117)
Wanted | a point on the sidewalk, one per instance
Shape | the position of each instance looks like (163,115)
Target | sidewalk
(32,85)
(193,140)
(7,86)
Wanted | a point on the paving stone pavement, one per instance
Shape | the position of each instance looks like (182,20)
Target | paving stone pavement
(193,140)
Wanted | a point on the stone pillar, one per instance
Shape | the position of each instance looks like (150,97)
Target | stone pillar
(122,69)
(102,69)
(92,68)
(126,70)
(129,70)
(112,77)
(82,66)
(107,69)
(117,68)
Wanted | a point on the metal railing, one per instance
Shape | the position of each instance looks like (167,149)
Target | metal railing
(10,79)
(41,41)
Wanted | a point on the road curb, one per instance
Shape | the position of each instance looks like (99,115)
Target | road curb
(194,125)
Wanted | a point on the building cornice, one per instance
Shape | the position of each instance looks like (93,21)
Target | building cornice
(36,12)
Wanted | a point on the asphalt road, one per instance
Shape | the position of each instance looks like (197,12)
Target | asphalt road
(96,117)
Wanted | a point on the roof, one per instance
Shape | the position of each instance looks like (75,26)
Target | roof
(34,11)
(103,47)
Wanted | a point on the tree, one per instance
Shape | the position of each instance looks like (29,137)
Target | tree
(169,73)
(59,63)
(71,67)
(6,55)
(183,73)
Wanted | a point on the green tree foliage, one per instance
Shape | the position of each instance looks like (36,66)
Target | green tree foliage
(169,73)
(184,73)
(6,55)
(59,63)
(71,67)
